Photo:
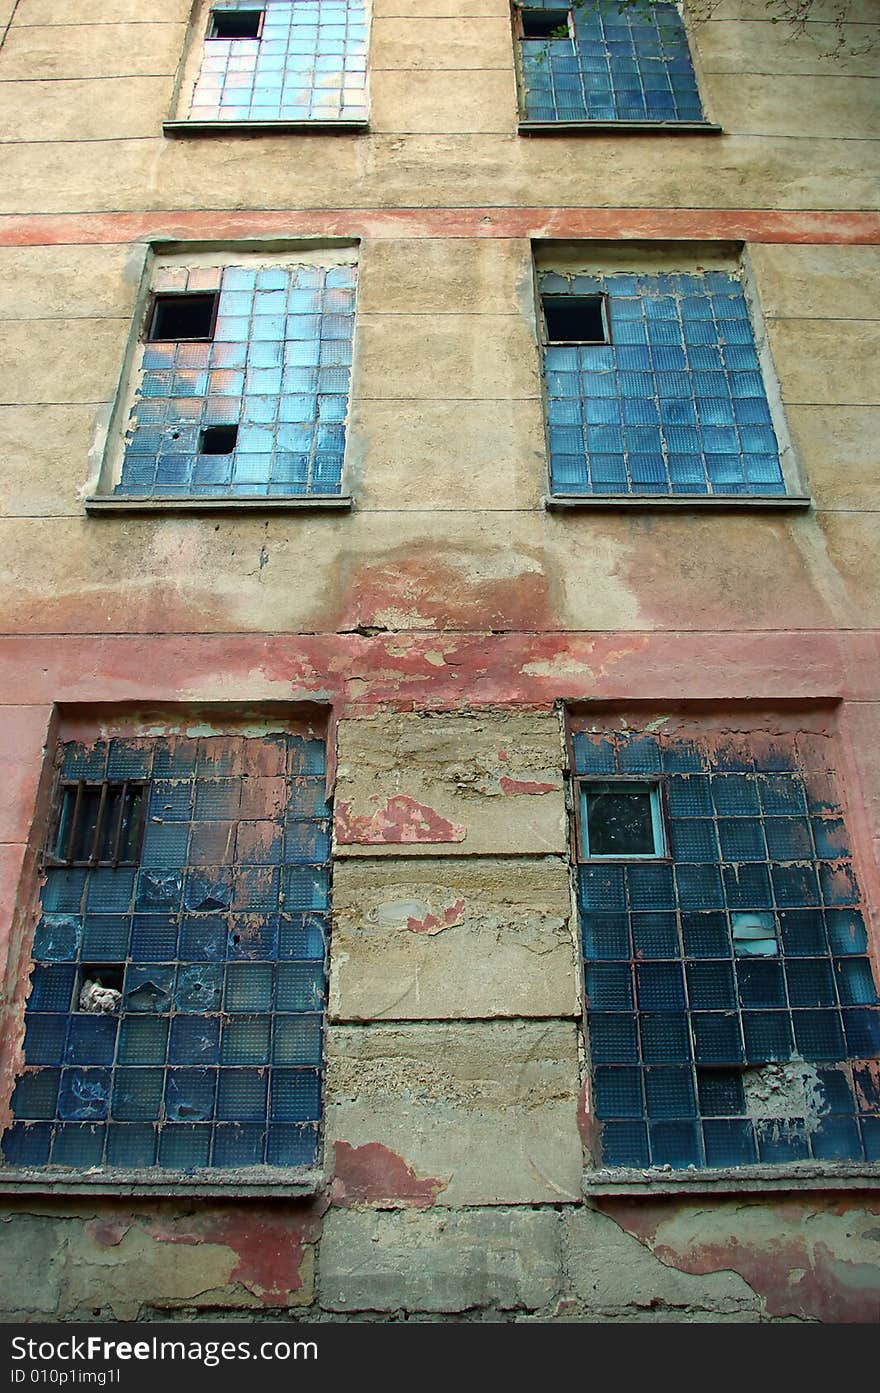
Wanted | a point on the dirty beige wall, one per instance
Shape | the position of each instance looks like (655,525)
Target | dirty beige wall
(453,1156)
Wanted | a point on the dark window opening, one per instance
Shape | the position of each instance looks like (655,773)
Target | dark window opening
(544,24)
(621,819)
(576,318)
(99,824)
(99,988)
(177,317)
(218,440)
(236,24)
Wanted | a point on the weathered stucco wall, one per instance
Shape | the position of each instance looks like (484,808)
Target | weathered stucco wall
(455,1053)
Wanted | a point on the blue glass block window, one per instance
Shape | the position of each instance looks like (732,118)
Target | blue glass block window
(252,400)
(673,403)
(732,1013)
(598,62)
(286,60)
(204,1047)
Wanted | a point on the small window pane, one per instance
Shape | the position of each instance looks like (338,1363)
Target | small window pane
(621,820)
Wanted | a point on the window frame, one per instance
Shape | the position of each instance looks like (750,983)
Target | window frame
(182,121)
(585,126)
(247,1181)
(598,259)
(659,818)
(161,264)
(601,1179)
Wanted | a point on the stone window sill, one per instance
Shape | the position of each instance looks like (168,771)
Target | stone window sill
(316,127)
(789,502)
(246,1182)
(99,505)
(619,128)
(733,1180)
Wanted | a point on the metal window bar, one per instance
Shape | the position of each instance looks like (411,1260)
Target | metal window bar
(118,835)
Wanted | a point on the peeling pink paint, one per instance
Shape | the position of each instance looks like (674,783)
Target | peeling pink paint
(401,820)
(797,226)
(866,1082)
(588,1127)
(434,924)
(794,1275)
(107,1233)
(269,1245)
(371,1174)
(515,786)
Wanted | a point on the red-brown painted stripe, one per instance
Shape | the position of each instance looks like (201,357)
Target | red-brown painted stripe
(748,225)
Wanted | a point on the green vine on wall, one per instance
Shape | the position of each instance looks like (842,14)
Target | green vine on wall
(796,14)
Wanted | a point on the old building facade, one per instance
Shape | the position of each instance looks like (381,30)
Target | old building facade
(440,652)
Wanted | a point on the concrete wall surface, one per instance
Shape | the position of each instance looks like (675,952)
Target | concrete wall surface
(443,629)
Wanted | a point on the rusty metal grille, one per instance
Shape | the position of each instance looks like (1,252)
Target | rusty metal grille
(98,824)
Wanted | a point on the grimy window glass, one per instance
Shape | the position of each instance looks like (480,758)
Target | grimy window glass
(673,403)
(732,1014)
(242,389)
(627,63)
(292,60)
(621,819)
(176,1008)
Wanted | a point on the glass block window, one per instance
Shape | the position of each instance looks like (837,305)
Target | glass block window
(731,1010)
(251,398)
(287,60)
(673,402)
(176,1008)
(599,62)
